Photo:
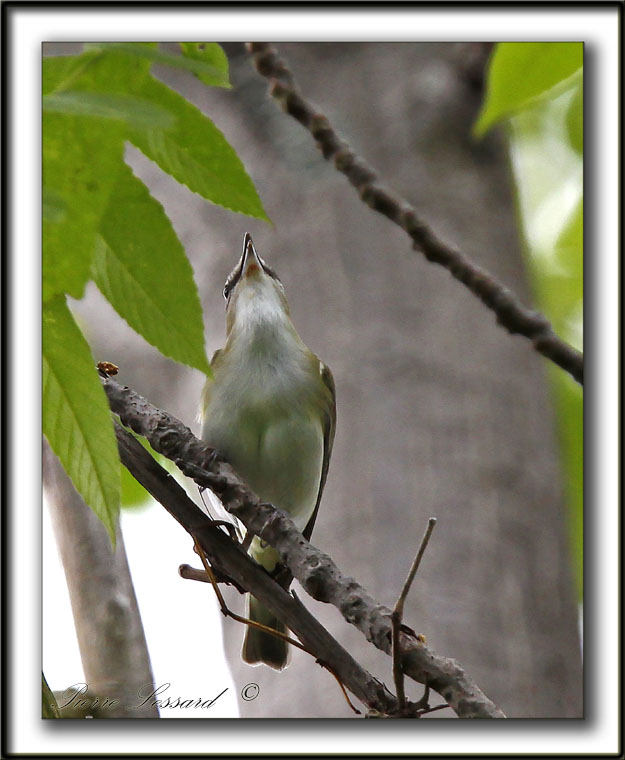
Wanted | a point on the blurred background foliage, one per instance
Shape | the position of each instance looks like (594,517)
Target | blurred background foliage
(536,90)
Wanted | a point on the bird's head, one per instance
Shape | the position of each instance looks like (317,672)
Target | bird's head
(253,292)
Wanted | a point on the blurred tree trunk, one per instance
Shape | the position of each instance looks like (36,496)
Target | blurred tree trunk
(440,412)
(110,635)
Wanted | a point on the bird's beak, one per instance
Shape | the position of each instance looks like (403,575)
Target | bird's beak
(250,260)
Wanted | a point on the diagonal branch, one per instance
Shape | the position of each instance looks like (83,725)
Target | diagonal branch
(315,570)
(244,573)
(510,312)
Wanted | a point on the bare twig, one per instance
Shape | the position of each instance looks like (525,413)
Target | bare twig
(208,577)
(317,573)
(433,709)
(424,703)
(399,606)
(511,314)
(193,574)
(227,612)
(397,616)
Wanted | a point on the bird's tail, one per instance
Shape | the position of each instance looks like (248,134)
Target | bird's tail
(259,646)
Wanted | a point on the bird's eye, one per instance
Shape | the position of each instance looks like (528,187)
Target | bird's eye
(226,291)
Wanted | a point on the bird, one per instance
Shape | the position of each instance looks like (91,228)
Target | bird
(270,410)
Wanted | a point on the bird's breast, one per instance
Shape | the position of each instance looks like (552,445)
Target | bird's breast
(267,425)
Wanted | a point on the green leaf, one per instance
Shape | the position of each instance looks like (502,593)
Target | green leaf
(80,160)
(49,706)
(547,170)
(197,154)
(52,205)
(59,72)
(208,67)
(575,120)
(141,268)
(520,72)
(133,110)
(194,152)
(570,245)
(109,72)
(212,54)
(76,416)
(559,279)
(134,494)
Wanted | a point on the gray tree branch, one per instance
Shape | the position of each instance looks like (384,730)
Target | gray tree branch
(510,313)
(315,570)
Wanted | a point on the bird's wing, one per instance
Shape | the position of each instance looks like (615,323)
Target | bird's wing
(207,494)
(208,388)
(329,425)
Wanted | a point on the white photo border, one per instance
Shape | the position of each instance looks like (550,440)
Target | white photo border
(25,28)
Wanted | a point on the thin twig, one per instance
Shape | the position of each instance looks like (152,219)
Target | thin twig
(254,624)
(211,577)
(433,709)
(193,574)
(399,606)
(397,616)
(398,676)
(510,312)
(226,612)
(424,703)
(339,682)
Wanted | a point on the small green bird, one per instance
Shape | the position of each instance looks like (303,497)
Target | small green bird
(270,409)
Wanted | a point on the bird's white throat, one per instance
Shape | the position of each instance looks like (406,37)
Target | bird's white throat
(262,330)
